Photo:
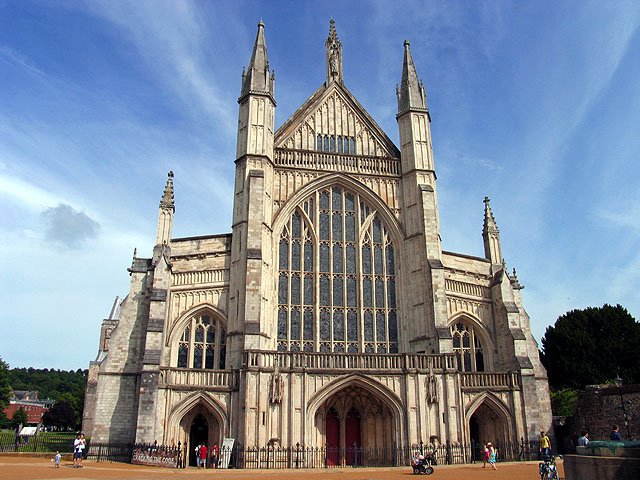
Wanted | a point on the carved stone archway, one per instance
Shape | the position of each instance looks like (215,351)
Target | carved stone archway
(489,420)
(355,419)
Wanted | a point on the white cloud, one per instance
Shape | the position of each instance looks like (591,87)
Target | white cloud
(25,194)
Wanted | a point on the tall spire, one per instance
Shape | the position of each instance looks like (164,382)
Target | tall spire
(491,235)
(167,195)
(165,215)
(257,78)
(411,90)
(334,55)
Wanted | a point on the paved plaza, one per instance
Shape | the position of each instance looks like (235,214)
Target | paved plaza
(15,468)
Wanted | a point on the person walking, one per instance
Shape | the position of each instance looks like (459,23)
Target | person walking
(203,455)
(545,446)
(486,453)
(213,451)
(56,458)
(493,456)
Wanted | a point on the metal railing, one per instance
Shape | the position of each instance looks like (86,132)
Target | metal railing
(299,456)
(41,442)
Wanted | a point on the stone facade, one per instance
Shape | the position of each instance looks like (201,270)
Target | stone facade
(330,315)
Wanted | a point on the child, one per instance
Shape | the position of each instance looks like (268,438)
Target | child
(56,459)
(492,456)
(486,454)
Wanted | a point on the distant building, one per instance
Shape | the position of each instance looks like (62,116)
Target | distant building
(330,315)
(28,400)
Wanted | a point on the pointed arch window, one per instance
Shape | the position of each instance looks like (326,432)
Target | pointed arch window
(336,285)
(202,344)
(467,347)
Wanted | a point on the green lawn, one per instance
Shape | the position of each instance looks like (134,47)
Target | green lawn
(43,442)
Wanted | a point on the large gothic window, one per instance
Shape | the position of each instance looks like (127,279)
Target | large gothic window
(336,285)
(202,344)
(467,347)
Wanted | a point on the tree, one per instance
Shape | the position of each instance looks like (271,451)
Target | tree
(564,402)
(20,417)
(5,391)
(52,383)
(60,415)
(592,346)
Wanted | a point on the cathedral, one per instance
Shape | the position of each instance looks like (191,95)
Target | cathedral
(330,315)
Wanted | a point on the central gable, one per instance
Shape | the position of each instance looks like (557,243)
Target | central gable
(332,120)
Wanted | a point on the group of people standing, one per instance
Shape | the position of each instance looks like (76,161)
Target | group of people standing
(207,457)
(79,444)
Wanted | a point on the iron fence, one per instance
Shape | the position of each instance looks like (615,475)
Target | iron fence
(41,442)
(272,457)
(109,452)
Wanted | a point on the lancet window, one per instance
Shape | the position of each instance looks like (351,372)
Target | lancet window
(202,344)
(337,277)
(467,347)
(336,144)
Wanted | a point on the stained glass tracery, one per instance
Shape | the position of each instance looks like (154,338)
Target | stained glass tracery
(202,344)
(467,347)
(348,300)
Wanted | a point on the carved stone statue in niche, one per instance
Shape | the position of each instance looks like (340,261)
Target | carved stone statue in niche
(276,390)
(432,388)
(333,61)
(107,337)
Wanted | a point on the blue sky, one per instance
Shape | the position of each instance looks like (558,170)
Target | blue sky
(534,104)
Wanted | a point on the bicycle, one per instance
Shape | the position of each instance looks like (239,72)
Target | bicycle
(548,469)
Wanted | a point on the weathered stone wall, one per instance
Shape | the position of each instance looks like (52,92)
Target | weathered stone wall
(600,407)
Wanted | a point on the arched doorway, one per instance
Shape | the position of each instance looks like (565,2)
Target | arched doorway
(199,425)
(355,426)
(198,435)
(487,424)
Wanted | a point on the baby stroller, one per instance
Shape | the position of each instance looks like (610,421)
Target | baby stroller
(421,465)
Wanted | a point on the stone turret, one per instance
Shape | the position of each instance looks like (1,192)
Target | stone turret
(491,236)
(249,319)
(166,212)
(430,332)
